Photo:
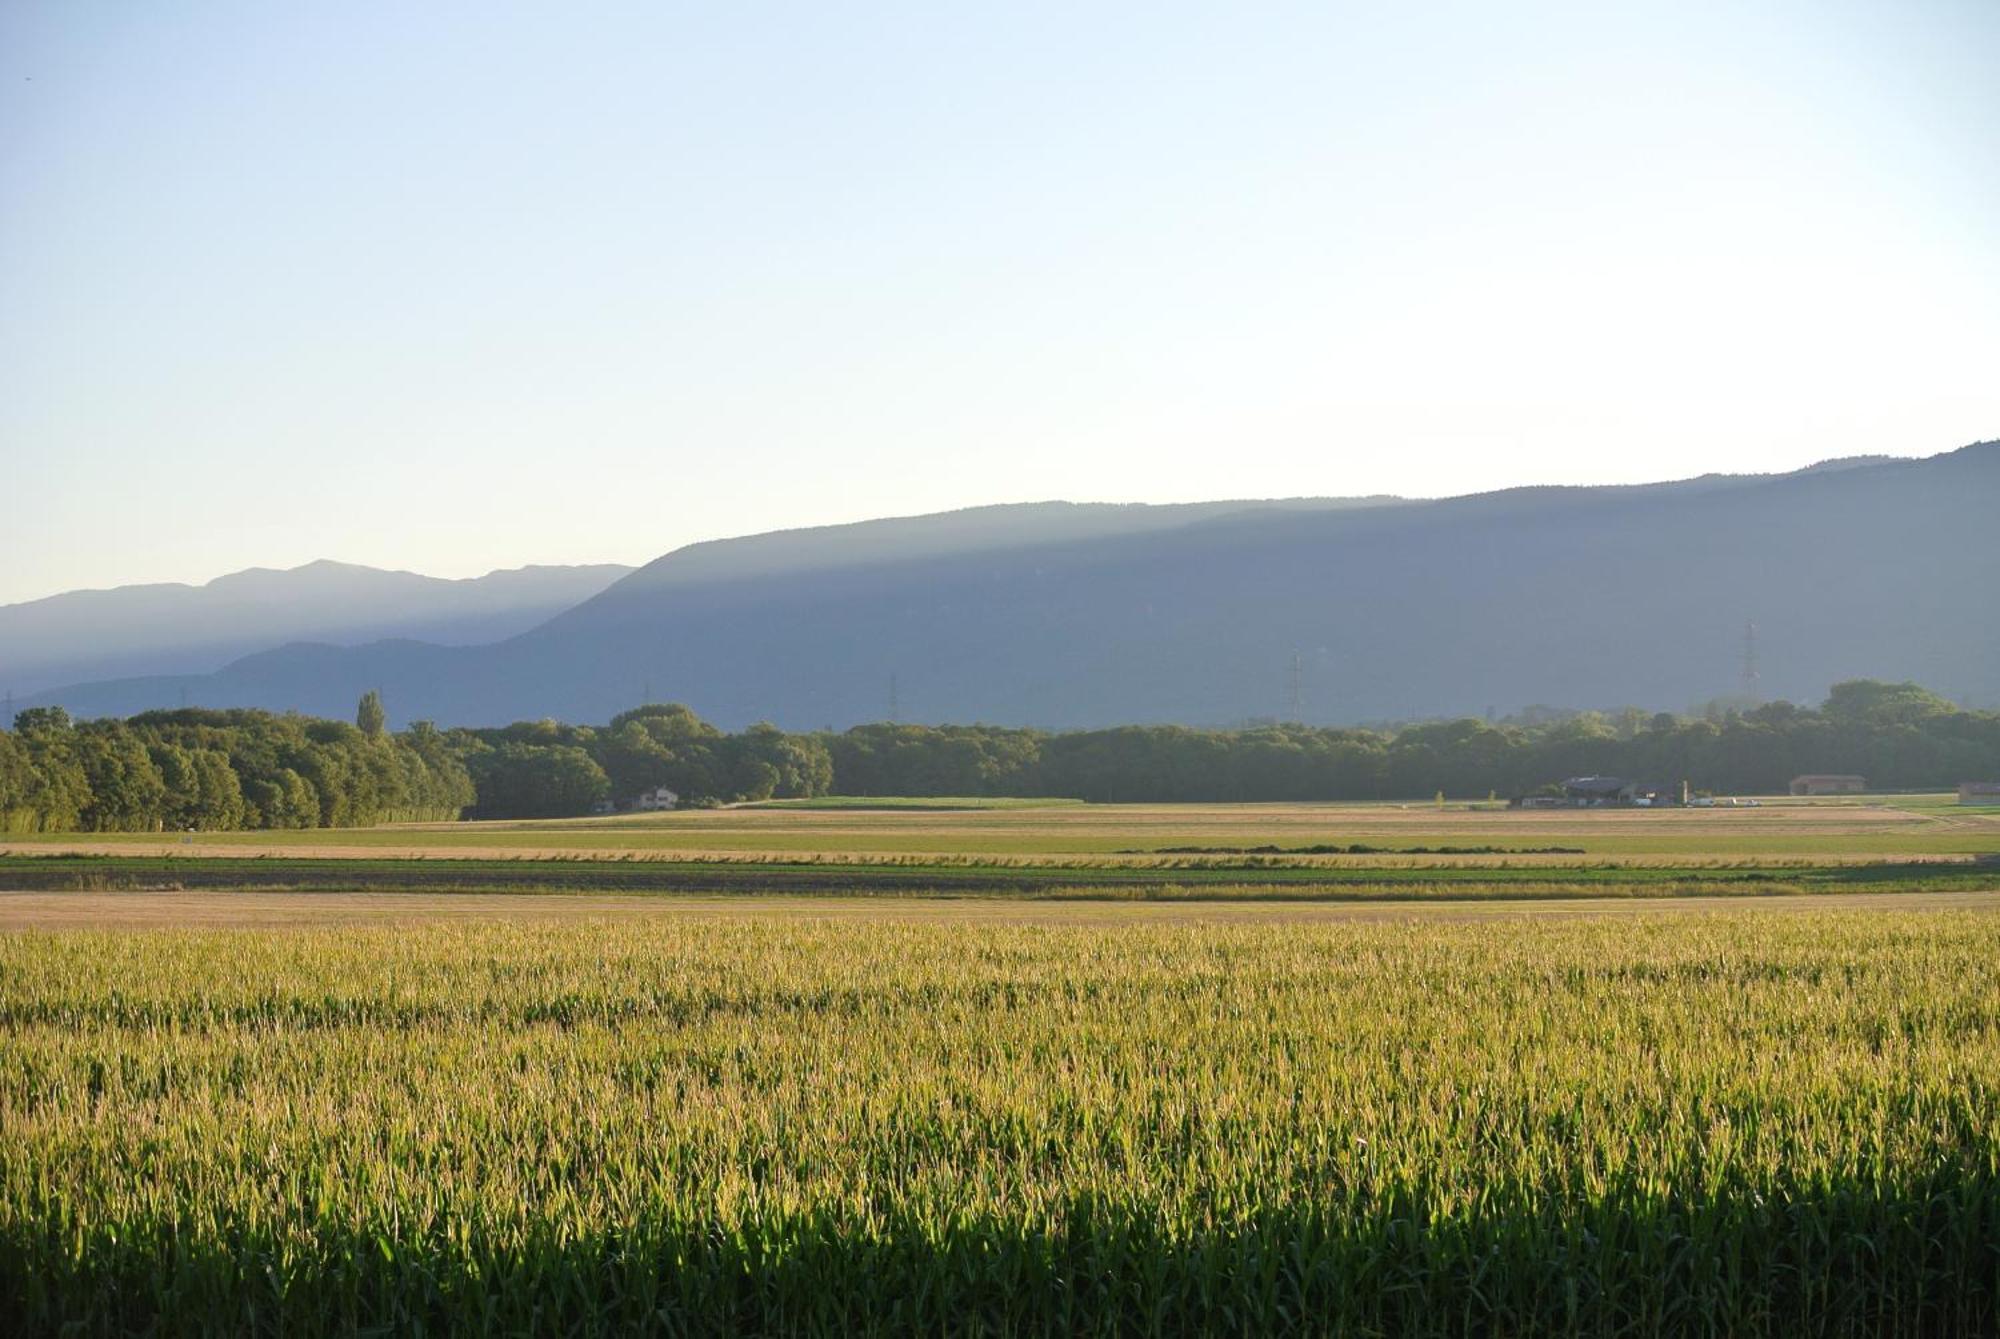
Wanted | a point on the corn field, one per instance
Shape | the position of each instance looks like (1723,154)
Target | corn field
(1658,1123)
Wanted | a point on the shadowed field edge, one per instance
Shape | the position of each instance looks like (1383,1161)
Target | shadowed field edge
(1916,1258)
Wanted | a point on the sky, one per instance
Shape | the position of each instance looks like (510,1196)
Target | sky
(453,287)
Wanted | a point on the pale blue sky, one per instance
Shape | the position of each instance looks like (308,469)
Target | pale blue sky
(454,287)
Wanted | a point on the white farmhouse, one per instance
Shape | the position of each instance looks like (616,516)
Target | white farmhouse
(655,800)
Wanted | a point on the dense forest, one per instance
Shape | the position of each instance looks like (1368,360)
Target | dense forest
(202,769)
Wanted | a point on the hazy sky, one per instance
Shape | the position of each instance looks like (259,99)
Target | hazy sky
(454,287)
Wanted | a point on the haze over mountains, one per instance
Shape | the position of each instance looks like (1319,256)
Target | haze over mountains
(1064,615)
(171,628)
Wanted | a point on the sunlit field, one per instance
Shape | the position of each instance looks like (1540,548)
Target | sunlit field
(1777,829)
(1074,1068)
(754,1117)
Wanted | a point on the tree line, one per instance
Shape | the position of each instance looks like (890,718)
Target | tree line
(545,769)
(199,769)
(1898,736)
(170,770)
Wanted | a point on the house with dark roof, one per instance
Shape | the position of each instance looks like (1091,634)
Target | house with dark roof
(1601,792)
(1591,792)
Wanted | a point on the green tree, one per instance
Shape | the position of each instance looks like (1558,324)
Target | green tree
(1870,702)
(17,786)
(667,722)
(219,806)
(438,786)
(58,790)
(42,720)
(369,716)
(664,745)
(764,761)
(183,788)
(522,781)
(283,800)
(127,793)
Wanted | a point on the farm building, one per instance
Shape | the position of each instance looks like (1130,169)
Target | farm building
(645,802)
(1600,792)
(1979,792)
(1814,783)
(1592,791)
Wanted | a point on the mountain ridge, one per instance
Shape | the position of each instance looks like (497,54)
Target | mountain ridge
(179,627)
(1090,614)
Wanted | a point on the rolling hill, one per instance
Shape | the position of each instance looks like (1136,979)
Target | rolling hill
(1056,615)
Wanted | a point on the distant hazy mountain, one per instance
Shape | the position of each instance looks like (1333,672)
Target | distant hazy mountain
(178,629)
(1064,616)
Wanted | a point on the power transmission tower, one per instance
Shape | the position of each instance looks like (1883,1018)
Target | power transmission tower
(1297,693)
(893,712)
(1750,674)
